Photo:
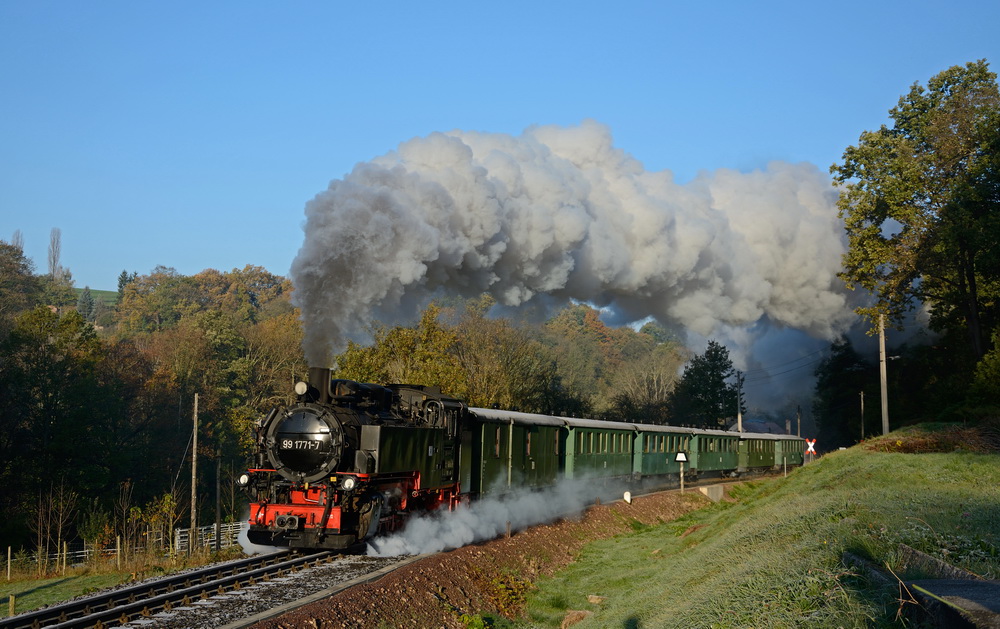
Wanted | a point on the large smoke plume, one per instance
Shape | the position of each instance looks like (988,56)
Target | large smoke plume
(560,214)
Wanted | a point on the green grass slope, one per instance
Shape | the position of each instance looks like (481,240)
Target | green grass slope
(774,558)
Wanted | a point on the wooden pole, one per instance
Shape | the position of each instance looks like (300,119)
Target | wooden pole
(218,501)
(881,370)
(193,534)
(862,415)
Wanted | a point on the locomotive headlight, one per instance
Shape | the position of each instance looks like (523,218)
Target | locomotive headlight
(348,483)
(243,480)
(301,388)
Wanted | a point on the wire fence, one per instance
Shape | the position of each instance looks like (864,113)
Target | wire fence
(206,537)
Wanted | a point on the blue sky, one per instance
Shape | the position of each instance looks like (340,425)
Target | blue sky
(191,135)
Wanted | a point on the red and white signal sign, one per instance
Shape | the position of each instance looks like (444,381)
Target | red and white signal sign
(810,446)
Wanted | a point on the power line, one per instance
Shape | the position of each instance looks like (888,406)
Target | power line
(767,376)
(770,367)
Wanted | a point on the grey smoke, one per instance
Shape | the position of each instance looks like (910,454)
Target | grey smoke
(559,214)
(486,519)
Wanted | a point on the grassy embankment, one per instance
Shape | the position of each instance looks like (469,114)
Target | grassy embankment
(774,558)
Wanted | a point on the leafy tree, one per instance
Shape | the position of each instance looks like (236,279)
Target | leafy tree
(58,291)
(417,355)
(273,360)
(921,204)
(124,279)
(986,384)
(19,288)
(156,301)
(588,353)
(841,380)
(644,386)
(85,305)
(503,365)
(703,397)
(46,392)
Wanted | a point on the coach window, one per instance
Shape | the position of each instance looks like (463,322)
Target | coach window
(527,444)
(496,445)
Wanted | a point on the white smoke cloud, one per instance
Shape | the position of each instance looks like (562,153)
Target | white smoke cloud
(560,213)
(487,518)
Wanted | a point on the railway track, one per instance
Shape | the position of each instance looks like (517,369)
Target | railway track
(121,606)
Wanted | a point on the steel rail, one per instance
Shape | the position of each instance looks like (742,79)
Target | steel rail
(143,600)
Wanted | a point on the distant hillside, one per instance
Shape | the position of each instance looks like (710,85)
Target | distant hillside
(107,297)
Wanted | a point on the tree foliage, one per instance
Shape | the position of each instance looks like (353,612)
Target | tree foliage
(921,204)
(704,396)
(19,288)
(843,380)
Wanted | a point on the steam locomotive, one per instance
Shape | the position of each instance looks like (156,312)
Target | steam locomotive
(349,460)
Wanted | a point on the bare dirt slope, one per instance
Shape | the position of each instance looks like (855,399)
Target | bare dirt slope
(491,578)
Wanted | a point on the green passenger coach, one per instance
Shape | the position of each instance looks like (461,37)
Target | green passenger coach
(510,449)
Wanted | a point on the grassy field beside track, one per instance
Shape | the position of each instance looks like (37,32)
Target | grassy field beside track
(773,557)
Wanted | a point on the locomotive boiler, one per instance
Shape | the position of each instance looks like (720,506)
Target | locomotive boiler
(348,458)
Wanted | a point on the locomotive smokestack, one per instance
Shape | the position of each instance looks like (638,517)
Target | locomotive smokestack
(319,379)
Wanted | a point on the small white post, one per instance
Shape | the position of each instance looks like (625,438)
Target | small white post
(681,458)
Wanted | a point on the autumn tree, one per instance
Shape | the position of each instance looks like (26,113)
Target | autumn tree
(502,365)
(643,387)
(156,301)
(19,288)
(921,205)
(413,355)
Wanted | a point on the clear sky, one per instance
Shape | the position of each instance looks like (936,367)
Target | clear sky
(191,134)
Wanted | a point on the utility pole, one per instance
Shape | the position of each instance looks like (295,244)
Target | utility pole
(193,534)
(739,402)
(218,501)
(862,415)
(881,370)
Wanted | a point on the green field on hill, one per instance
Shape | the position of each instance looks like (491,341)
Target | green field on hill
(775,556)
(107,297)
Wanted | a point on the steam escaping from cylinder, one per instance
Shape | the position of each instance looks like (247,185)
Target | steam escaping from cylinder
(488,518)
(249,547)
(559,214)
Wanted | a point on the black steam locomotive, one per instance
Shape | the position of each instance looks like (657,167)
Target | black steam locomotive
(349,458)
